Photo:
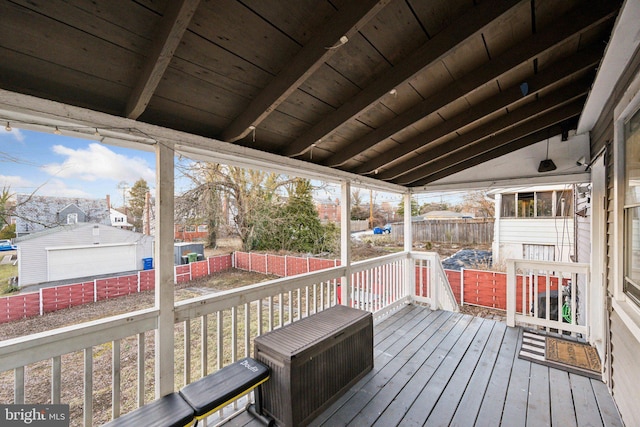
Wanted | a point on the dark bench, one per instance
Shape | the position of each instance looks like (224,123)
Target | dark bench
(199,399)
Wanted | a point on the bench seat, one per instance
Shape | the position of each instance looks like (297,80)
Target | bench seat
(199,399)
(210,393)
(168,411)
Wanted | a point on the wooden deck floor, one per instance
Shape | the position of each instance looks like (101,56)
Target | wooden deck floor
(438,368)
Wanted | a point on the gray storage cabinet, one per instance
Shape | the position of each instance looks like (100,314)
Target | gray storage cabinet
(313,362)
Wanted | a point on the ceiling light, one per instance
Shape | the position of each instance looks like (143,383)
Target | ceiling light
(547,164)
(8,127)
(57,131)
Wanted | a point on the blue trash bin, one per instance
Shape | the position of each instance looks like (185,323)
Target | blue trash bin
(147,263)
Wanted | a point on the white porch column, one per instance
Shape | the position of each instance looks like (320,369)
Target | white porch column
(410,275)
(345,242)
(164,287)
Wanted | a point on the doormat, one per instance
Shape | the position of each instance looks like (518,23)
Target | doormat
(571,356)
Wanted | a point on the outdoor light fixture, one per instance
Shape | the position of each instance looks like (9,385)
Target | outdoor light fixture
(547,164)
(57,131)
(8,127)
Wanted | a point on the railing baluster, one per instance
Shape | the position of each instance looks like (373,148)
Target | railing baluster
(270,313)
(290,301)
(56,379)
(18,385)
(187,352)
(234,334)
(219,339)
(280,310)
(247,329)
(259,317)
(88,387)
(204,328)
(115,382)
(307,303)
(141,361)
(299,303)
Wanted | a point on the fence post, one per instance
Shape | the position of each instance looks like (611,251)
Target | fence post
(511,293)
(139,280)
(41,302)
(95,290)
(461,286)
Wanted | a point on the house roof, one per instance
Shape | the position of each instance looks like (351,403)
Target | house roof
(405,92)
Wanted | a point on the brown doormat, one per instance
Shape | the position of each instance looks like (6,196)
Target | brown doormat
(568,355)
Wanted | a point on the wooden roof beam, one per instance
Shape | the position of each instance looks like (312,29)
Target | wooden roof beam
(580,20)
(518,144)
(470,24)
(552,76)
(346,23)
(417,176)
(174,23)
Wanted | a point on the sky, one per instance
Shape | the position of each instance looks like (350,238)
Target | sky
(62,166)
(57,165)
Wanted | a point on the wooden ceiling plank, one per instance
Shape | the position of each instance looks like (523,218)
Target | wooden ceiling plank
(515,118)
(435,49)
(311,57)
(173,25)
(553,117)
(553,76)
(518,144)
(580,20)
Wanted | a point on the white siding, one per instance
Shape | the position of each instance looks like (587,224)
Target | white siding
(516,232)
(624,367)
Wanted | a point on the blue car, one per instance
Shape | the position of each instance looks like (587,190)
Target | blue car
(5,245)
(382,230)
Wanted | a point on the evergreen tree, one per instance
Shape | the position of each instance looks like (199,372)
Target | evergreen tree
(137,199)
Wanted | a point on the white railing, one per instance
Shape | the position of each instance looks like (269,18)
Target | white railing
(550,295)
(109,357)
(431,283)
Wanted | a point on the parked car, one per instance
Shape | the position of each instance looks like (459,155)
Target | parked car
(382,230)
(5,245)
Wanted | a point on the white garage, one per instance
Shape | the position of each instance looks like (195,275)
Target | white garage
(83,261)
(80,251)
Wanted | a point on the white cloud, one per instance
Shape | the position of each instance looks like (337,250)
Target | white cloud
(15,182)
(98,162)
(58,188)
(14,133)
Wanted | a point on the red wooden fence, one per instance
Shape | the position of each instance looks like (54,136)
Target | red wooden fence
(55,298)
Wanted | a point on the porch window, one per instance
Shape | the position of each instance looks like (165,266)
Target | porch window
(526,205)
(632,208)
(508,206)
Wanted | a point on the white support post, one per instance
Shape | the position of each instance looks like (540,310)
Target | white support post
(345,242)
(433,284)
(410,281)
(164,299)
(511,293)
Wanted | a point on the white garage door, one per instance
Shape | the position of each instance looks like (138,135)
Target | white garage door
(86,261)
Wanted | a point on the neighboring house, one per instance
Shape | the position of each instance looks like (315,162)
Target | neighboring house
(119,219)
(534,223)
(79,251)
(37,213)
(328,210)
(191,232)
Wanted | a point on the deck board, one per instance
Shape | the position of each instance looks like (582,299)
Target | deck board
(442,368)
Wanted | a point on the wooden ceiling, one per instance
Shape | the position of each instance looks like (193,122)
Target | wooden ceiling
(405,91)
